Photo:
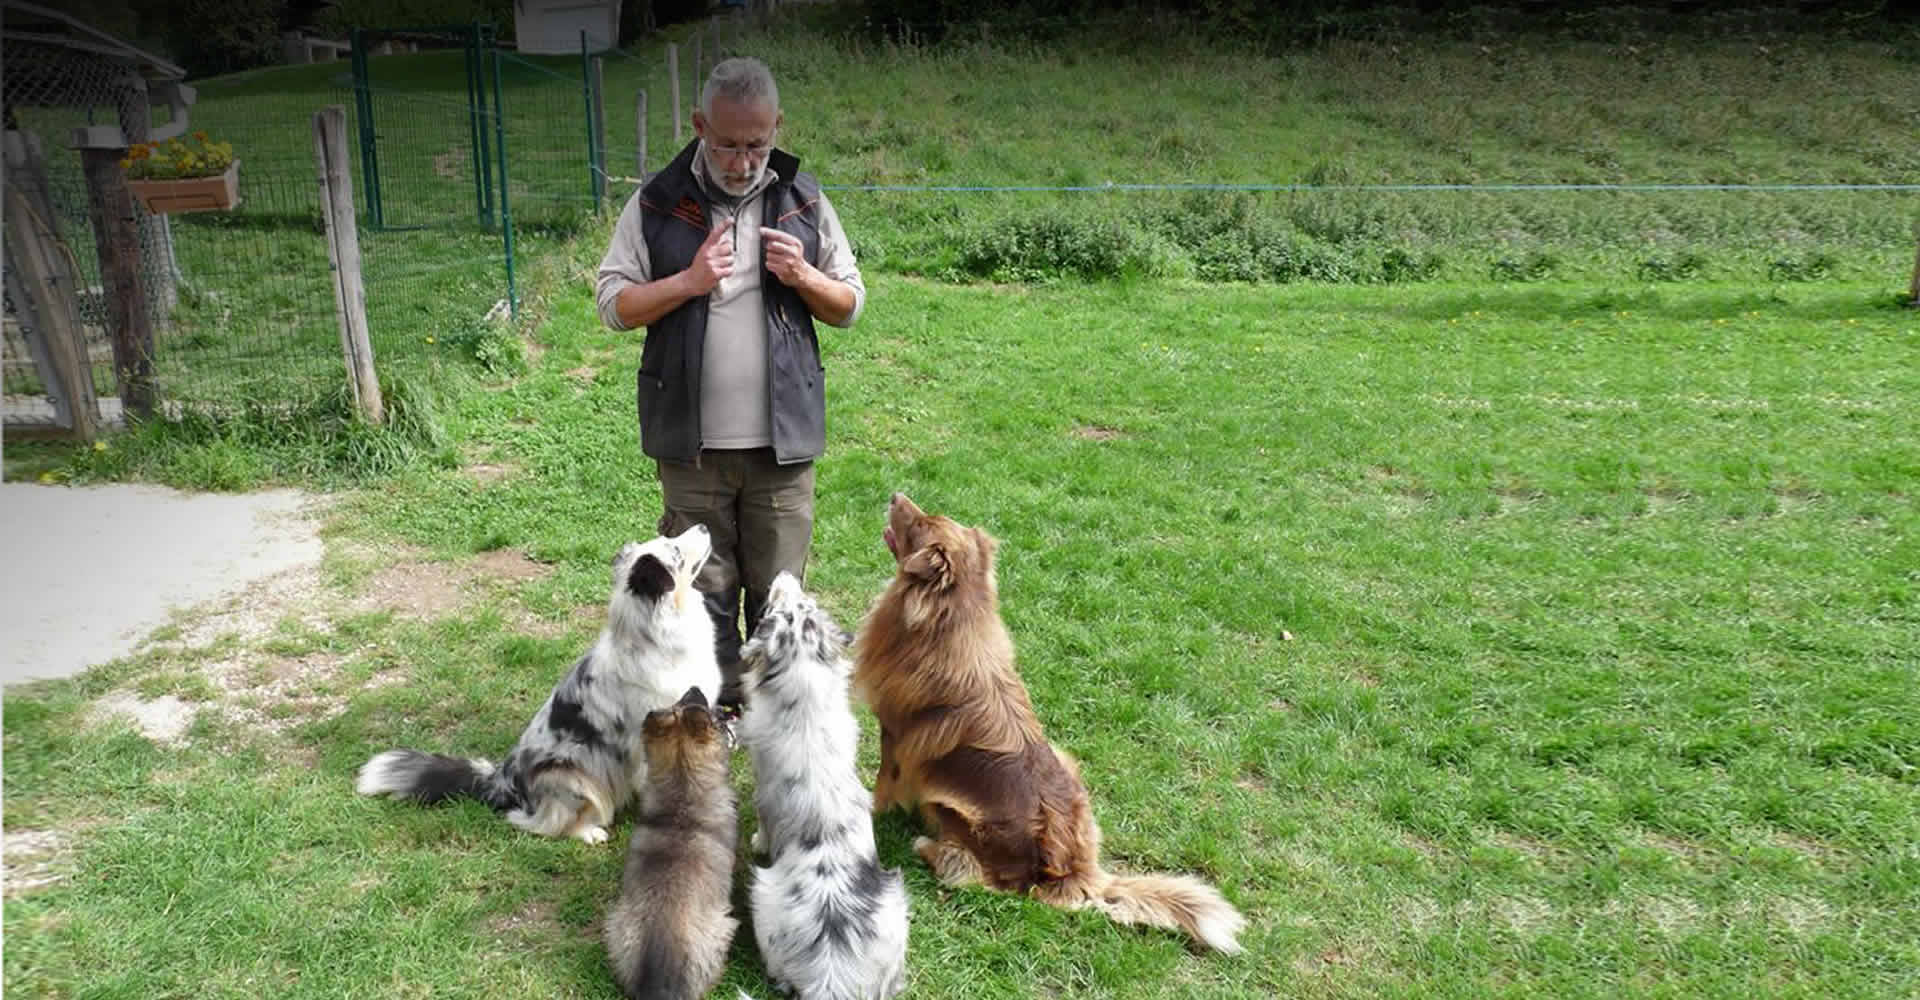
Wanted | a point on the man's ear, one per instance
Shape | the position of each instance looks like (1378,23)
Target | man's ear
(699,124)
(929,566)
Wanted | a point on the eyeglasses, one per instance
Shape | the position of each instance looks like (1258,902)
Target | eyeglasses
(750,152)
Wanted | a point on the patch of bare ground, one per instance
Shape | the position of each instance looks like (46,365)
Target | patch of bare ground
(240,648)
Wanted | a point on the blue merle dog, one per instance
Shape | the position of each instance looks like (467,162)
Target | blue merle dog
(831,923)
(582,757)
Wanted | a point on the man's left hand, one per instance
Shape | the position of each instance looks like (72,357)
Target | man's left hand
(786,257)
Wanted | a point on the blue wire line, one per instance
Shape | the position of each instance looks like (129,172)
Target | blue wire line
(1358,188)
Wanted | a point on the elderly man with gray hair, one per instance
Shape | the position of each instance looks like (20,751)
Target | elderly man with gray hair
(727,256)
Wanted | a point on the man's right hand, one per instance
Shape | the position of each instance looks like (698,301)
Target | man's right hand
(712,262)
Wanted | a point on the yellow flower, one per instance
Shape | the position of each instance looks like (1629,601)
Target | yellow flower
(46,477)
(100,446)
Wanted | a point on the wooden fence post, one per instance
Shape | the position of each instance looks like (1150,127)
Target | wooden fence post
(600,130)
(343,255)
(1913,292)
(117,243)
(640,130)
(673,74)
(156,236)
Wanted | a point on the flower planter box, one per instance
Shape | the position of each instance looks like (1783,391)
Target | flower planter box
(189,194)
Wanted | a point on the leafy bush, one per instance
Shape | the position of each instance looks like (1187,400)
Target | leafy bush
(1811,266)
(1684,266)
(1399,264)
(492,344)
(1038,247)
(1534,266)
(209,37)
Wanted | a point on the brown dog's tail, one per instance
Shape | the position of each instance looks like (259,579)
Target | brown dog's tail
(1172,902)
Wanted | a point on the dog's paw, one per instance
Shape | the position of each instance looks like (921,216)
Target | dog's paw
(592,834)
(922,845)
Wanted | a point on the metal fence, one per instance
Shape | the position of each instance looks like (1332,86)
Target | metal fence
(49,90)
(469,157)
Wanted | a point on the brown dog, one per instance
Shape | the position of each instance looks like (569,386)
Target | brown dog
(959,738)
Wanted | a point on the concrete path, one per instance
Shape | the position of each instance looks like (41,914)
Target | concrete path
(87,572)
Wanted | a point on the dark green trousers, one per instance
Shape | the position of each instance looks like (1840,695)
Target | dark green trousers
(760,515)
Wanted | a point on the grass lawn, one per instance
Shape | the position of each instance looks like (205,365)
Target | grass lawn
(1493,593)
(1554,640)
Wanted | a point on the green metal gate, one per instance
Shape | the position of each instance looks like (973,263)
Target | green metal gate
(463,132)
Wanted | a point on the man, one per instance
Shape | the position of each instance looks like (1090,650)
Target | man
(727,256)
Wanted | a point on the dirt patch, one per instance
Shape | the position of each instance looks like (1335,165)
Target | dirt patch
(1095,432)
(508,564)
(534,920)
(489,473)
(36,859)
(450,163)
(240,642)
(163,720)
(413,589)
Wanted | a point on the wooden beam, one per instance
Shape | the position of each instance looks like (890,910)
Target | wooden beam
(117,244)
(331,161)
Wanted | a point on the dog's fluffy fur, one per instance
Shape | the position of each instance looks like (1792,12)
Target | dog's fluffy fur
(831,923)
(667,934)
(959,738)
(580,758)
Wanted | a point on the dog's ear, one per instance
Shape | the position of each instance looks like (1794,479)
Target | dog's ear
(694,697)
(649,579)
(929,565)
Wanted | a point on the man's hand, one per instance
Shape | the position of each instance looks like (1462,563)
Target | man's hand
(786,257)
(713,261)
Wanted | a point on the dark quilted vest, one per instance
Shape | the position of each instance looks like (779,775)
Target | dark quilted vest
(674,221)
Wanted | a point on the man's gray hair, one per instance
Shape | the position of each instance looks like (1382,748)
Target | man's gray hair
(742,78)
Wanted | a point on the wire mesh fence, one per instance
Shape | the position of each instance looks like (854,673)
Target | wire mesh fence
(467,158)
(49,90)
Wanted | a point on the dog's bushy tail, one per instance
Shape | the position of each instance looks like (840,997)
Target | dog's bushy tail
(1173,902)
(427,778)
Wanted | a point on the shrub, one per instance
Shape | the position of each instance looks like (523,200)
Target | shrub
(1534,266)
(1684,266)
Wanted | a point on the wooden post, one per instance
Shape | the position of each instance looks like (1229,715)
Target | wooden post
(117,243)
(343,255)
(1913,293)
(698,62)
(673,74)
(600,128)
(640,130)
(41,283)
(135,112)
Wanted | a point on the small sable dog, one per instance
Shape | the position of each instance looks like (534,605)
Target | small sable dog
(959,737)
(667,934)
(580,758)
(831,923)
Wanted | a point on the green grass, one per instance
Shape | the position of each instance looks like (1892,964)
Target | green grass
(1538,641)
(1495,594)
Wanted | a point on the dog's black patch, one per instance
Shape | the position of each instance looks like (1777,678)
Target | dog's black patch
(694,697)
(568,719)
(649,579)
(853,918)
